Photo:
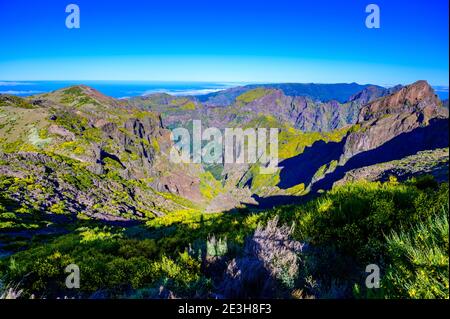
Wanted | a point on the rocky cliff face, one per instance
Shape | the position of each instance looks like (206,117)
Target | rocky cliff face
(408,120)
(418,97)
(122,150)
(242,105)
(385,118)
(376,116)
(373,92)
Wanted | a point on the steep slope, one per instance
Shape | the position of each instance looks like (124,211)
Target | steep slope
(411,107)
(401,124)
(303,112)
(322,92)
(433,162)
(77,136)
(122,147)
(316,137)
(372,92)
(86,179)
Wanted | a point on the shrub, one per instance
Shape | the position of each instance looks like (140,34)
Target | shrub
(216,247)
(354,218)
(252,95)
(279,254)
(252,255)
(419,266)
(269,256)
(424,182)
(10,293)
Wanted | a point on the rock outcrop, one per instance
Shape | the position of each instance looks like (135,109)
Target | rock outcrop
(381,120)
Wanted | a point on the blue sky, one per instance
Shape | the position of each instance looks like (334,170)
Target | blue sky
(235,41)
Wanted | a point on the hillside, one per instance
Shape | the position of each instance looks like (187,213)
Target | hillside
(358,164)
(341,92)
(305,108)
(122,146)
(72,139)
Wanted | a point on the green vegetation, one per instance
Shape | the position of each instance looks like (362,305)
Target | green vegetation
(14,217)
(260,181)
(420,264)
(87,186)
(72,147)
(189,106)
(296,190)
(74,90)
(76,97)
(401,227)
(252,95)
(37,139)
(215,169)
(15,101)
(209,186)
(291,142)
(58,208)
(72,122)
(92,135)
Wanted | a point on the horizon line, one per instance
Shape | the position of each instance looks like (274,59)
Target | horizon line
(224,82)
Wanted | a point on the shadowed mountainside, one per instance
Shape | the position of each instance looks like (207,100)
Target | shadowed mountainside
(303,167)
(75,138)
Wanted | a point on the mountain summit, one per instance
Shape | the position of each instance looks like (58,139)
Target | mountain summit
(418,97)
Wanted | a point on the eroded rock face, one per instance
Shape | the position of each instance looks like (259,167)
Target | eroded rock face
(383,119)
(408,121)
(372,93)
(61,131)
(369,94)
(55,181)
(121,149)
(302,112)
(180,184)
(121,144)
(418,97)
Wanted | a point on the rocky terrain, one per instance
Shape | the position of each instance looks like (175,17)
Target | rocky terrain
(87,179)
(432,162)
(93,155)
(305,111)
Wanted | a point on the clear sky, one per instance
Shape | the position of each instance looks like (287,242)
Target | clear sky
(236,40)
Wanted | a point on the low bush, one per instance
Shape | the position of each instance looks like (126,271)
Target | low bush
(401,227)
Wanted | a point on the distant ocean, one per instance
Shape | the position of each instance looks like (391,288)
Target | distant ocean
(117,89)
(124,89)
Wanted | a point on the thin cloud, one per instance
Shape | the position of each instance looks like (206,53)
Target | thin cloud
(11,83)
(182,92)
(13,92)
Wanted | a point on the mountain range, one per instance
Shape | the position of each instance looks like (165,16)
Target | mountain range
(86,149)
(87,179)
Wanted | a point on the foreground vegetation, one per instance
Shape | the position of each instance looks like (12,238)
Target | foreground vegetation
(319,249)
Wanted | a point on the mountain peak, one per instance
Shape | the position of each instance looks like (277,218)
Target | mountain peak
(418,90)
(79,95)
(416,97)
(368,94)
(82,89)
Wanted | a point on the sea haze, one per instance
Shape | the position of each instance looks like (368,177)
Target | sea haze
(125,89)
(117,89)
